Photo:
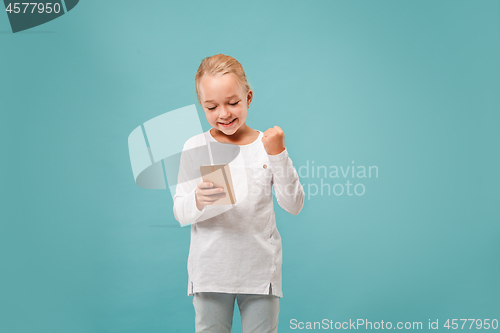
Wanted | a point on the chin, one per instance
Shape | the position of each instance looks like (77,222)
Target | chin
(228,131)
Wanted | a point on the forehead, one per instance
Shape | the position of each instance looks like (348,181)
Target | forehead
(213,88)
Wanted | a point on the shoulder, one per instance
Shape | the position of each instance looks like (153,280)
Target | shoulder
(195,141)
(259,133)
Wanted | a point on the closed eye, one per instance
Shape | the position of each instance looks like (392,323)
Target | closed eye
(234,103)
(211,108)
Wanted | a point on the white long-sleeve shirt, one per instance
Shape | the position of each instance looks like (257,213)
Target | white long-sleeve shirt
(236,248)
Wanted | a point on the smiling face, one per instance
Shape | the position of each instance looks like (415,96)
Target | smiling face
(224,101)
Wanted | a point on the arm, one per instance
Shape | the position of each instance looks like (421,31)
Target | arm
(193,198)
(185,208)
(287,188)
(289,192)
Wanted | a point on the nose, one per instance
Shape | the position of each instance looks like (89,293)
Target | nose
(224,113)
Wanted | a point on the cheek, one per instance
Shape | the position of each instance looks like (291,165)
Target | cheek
(240,112)
(243,114)
(211,118)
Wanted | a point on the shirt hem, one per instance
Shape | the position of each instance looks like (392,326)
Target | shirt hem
(217,289)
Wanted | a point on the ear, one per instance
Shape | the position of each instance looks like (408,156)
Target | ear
(249,97)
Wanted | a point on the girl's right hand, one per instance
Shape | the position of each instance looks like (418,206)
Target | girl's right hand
(207,194)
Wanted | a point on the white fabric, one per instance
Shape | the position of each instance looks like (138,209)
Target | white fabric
(237,248)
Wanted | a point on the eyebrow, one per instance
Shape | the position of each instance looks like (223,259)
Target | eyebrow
(210,101)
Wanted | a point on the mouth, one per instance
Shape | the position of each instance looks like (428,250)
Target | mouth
(227,124)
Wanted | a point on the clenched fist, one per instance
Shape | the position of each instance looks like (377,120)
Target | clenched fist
(274,140)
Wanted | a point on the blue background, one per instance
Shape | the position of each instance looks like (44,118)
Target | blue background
(409,86)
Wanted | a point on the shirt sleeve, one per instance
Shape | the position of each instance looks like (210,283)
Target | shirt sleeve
(287,188)
(185,210)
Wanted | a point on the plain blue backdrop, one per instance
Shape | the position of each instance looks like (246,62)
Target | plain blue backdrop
(411,87)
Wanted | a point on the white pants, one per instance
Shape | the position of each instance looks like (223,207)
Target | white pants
(214,312)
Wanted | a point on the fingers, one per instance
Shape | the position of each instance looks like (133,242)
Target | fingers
(207,188)
(207,194)
(273,130)
(210,199)
(202,185)
(269,132)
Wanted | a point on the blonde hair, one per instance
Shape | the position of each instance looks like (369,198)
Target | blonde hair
(218,65)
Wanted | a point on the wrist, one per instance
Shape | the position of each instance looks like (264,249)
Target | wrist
(276,152)
(199,206)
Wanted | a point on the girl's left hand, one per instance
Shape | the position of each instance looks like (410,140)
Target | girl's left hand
(274,140)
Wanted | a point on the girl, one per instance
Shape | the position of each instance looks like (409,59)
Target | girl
(235,250)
